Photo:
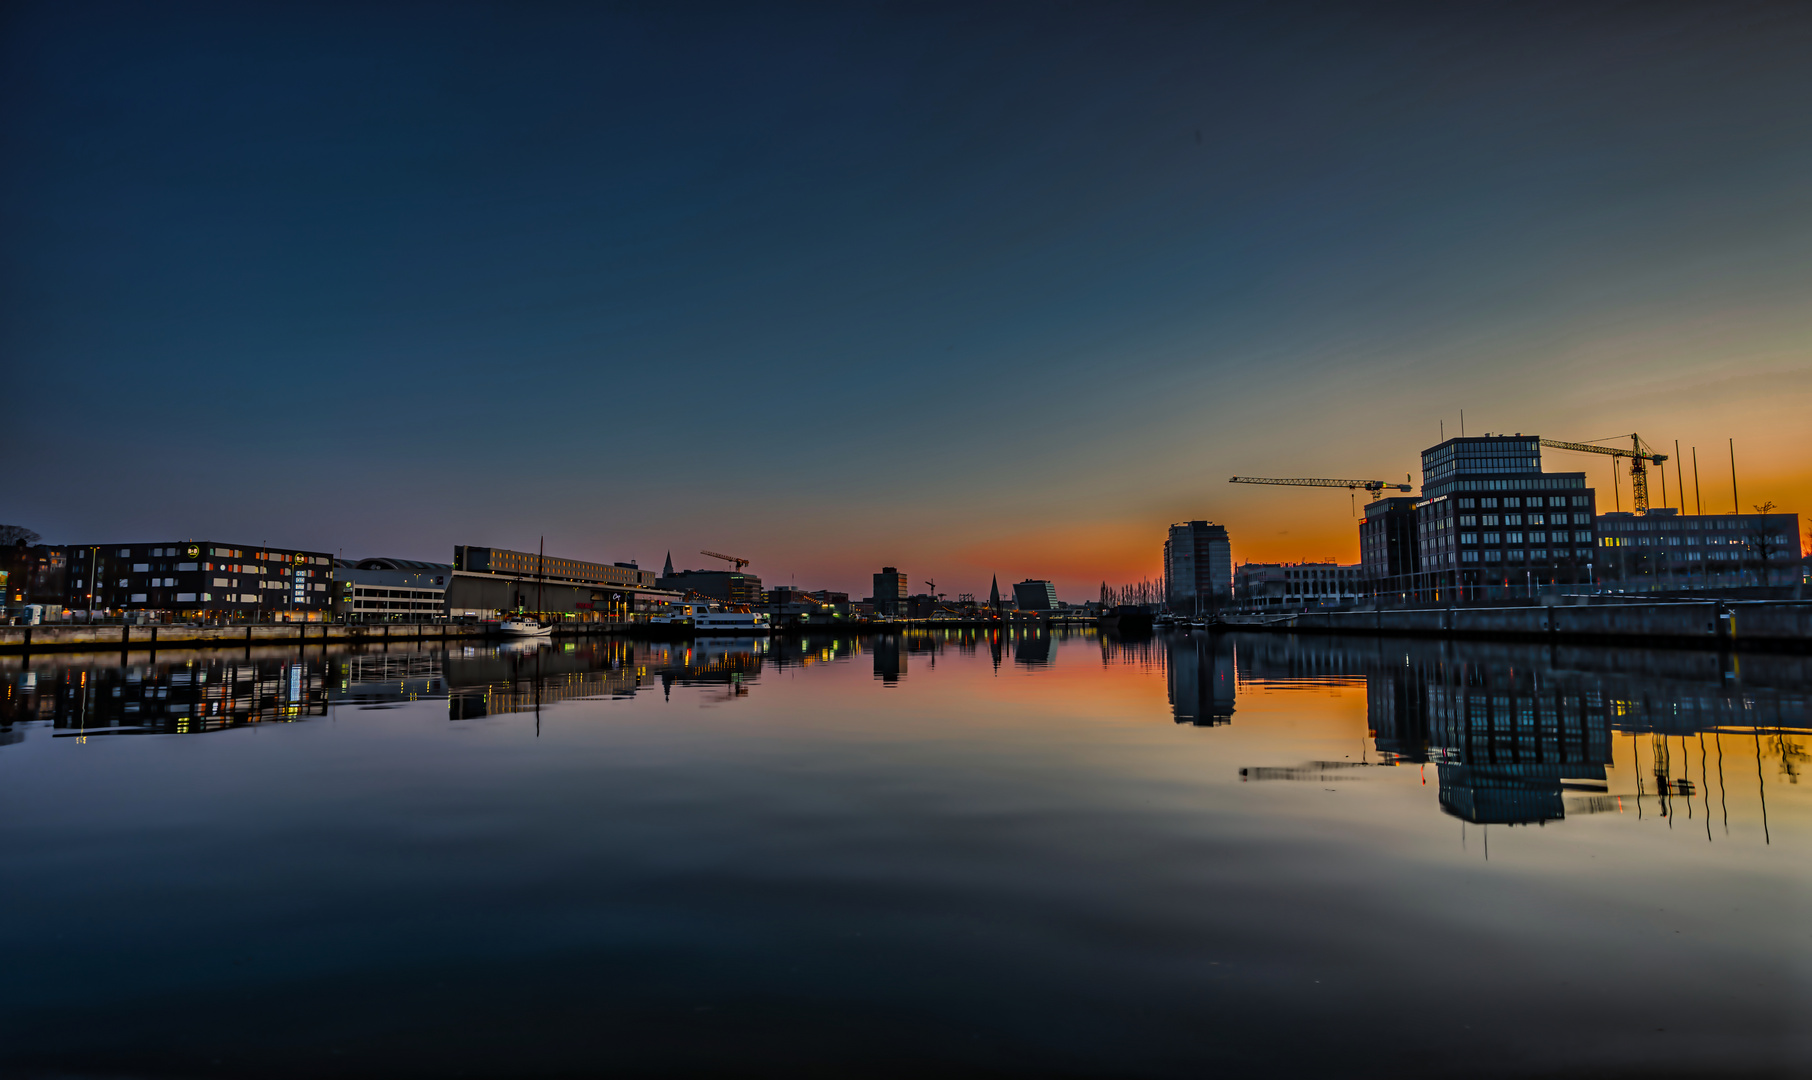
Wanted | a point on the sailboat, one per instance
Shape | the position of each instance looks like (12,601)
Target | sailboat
(521,626)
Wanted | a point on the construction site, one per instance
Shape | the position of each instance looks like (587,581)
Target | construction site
(1492,525)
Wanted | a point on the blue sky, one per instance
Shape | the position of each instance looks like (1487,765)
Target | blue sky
(962,289)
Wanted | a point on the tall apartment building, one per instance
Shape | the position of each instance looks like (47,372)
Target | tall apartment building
(890,592)
(1491,524)
(1198,567)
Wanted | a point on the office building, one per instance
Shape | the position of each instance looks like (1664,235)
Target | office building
(390,590)
(724,586)
(1388,551)
(1034,594)
(1665,549)
(890,592)
(1298,585)
(1198,567)
(1492,525)
(201,580)
(486,583)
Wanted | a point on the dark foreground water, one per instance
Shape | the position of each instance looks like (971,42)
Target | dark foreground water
(928,854)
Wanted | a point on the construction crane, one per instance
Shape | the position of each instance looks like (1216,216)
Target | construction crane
(1352,485)
(1638,453)
(731,559)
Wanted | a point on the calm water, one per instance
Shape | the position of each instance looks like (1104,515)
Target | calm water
(1183,856)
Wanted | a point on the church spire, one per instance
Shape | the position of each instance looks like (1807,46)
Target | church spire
(667,571)
(994,594)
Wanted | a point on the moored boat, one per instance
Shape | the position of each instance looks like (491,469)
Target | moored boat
(524,627)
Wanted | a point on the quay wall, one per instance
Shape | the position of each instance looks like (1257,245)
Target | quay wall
(1761,622)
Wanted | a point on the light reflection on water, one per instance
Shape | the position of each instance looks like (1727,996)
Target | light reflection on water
(1048,850)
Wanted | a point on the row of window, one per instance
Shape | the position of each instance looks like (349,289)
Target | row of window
(1517,538)
(1511,502)
(1519,555)
(1488,520)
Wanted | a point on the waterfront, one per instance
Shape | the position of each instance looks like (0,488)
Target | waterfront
(1033,853)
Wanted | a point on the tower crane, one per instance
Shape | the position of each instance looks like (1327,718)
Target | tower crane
(731,559)
(1373,486)
(1351,485)
(1638,453)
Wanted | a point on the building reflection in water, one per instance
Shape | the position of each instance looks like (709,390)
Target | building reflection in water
(1523,734)
(1203,680)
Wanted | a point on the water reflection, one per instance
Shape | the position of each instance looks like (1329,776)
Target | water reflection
(1202,679)
(931,852)
(1515,734)
(1521,734)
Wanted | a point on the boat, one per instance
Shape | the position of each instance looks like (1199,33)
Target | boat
(524,627)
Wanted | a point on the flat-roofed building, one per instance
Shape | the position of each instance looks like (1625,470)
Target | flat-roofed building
(1492,525)
(890,592)
(486,583)
(724,586)
(1665,549)
(390,590)
(1198,567)
(1388,550)
(202,580)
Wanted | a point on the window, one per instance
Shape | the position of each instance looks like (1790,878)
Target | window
(1468,519)
(1513,519)
(1514,555)
(1513,501)
(1494,538)
(1582,519)
(1490,520)
(138,598)
(141,567)
(1538,555)
(1494,556)
(1488,503)
(1514,538)
(1538,538)
(1468,504)
(1582,500)
(1469,556)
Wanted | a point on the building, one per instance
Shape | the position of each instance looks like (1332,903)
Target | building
(724,586)
(35,574)
(1387,547)
(1665,549)
(1492,525)
(1034,594)
(201,581)
(486,583)
(890,592)
(390,590)
(1298,585)
(1198,567)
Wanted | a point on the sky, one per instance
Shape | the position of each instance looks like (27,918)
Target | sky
(971,290)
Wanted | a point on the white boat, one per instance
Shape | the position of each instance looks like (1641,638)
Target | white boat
(524,628)
(731,622)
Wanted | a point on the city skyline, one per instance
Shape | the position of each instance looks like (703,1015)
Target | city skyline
(1006,291)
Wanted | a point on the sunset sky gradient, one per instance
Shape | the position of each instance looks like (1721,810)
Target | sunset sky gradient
(965,289)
